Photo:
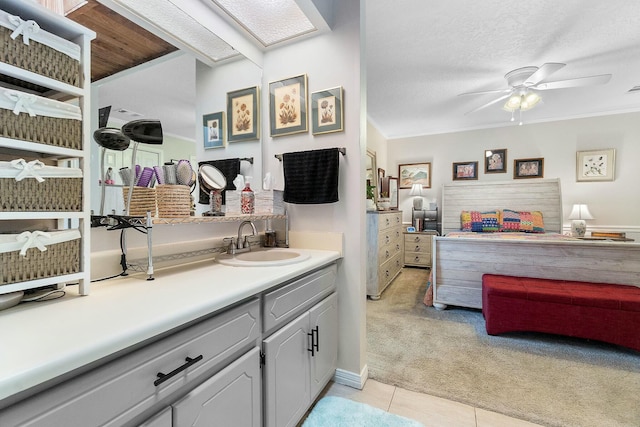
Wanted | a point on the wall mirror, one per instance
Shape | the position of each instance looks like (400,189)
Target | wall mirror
(166,88)
(371,174)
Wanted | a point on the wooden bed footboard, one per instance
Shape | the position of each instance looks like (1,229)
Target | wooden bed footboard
(461,262)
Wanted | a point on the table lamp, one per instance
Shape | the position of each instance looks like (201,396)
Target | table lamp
(579,213)
(416,190)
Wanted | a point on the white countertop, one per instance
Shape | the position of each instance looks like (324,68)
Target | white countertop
(40,341)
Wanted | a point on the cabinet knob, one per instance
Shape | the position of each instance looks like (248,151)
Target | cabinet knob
(417,239)
(417,249)
(387,253)
(417,259)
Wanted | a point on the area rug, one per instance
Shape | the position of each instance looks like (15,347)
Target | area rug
(546,379)
(333,411)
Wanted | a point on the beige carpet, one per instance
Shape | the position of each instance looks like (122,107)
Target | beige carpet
(545,379)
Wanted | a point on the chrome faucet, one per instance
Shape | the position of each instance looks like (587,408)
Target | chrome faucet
(241,244)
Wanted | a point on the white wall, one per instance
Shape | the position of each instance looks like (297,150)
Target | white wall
(615,204)
(328,61)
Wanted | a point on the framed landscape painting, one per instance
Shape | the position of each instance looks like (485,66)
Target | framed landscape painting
(414,173)
(243,115)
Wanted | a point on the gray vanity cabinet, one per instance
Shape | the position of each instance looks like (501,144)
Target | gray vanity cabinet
(161,419)
(300,359)
(230,398)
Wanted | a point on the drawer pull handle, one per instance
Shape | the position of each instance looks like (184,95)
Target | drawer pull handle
(417,239)
(387,253)
(417,248)
(164,377)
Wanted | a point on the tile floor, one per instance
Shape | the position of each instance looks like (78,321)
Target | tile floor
(429,410)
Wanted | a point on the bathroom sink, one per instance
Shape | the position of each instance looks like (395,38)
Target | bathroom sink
(263,258)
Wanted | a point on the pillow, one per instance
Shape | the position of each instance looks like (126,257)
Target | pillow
(510,220)
(531,222)
(471,221)
(480,221)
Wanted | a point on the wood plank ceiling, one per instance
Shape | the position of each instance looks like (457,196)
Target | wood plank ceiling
(119,44)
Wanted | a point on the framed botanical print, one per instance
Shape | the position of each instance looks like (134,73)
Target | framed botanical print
(326,111)
(288,106)
(243,115)
(465,170)
(213,130)
(414,173)
(596,165)
(528,168)
(495,161)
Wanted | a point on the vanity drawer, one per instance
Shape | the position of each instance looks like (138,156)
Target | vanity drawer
(126,386)
(285,303)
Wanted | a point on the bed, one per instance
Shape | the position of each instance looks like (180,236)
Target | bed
(460,259)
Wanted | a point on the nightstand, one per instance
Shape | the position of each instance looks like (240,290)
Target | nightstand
(417,248)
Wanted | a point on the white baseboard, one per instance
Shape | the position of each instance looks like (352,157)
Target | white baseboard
(352,379)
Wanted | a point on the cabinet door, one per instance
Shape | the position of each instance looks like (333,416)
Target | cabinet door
(229,398)
(286,373)
(162,419)
(324,316)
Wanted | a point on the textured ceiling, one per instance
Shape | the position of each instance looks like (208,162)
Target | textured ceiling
(420,54)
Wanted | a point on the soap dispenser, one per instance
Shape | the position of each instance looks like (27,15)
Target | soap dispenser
(247,199)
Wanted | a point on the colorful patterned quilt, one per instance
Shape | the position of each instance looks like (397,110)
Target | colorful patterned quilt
(512,236)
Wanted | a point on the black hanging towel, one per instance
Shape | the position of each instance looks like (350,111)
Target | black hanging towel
(230,168)
(311,177)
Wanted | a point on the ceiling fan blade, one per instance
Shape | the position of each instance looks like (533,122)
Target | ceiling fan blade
(543,72)
(483,92)
(489,103)
(579,82)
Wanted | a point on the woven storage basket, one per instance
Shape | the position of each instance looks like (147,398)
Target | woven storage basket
(143,200)
(59,259)
(38,58)
(51,195)
(174,201)
(65,133)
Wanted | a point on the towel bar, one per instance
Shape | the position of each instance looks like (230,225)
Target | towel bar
(342,151)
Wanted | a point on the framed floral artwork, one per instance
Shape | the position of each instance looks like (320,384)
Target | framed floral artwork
(243,115)
(414,173)
(288,106)
(326,111)
(495,161)
(465,170)
(213,130)
(528,168)
(596,165)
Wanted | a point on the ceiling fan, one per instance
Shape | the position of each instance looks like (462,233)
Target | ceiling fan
(525,83)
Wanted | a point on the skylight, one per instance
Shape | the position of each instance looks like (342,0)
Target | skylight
(270,22)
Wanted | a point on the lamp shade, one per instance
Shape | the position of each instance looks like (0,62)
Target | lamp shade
(580,211)
(416,190)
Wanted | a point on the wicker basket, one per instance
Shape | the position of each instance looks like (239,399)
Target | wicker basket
(59,259)
(143,200)
(39,58)
(52,195)
(65,133)
(174,201)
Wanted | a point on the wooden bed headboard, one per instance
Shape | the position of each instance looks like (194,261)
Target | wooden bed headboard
(520,195)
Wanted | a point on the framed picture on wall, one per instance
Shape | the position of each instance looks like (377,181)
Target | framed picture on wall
(495,161)
(414,173)
(213,130)
(243,115)
(528,168)
(596,165)
(288,106)
(326,111)
(465,170)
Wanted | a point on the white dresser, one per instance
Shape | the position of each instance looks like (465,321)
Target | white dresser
(384,250)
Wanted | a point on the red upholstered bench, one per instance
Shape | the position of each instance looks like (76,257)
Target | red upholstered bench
(598,311)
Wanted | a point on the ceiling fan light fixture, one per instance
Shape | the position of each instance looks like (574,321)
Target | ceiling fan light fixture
(522,101)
